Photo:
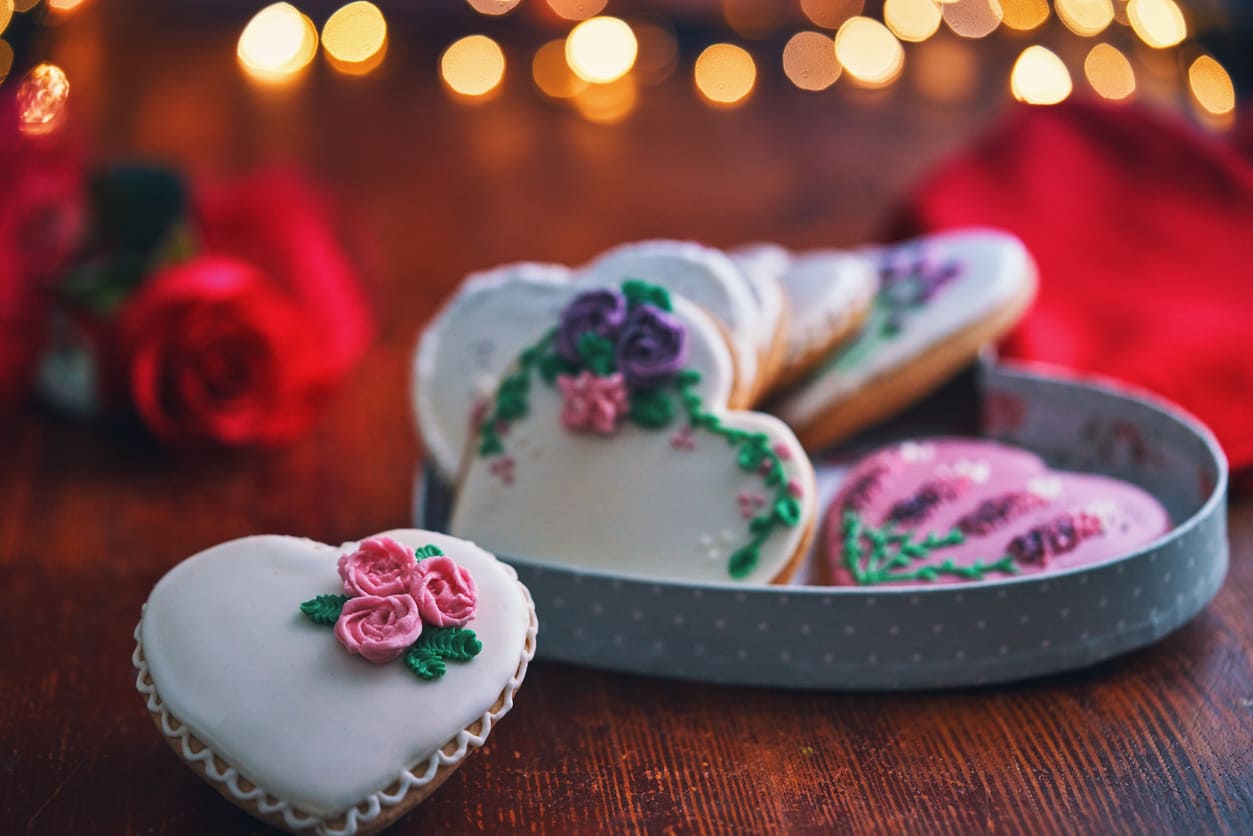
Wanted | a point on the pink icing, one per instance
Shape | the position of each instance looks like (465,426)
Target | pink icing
(502,468)
(683,440)
(378,628)
(591,403)
(750,503)
(379,566)
(444,591)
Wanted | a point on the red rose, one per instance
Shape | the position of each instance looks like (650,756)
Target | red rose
(215,352)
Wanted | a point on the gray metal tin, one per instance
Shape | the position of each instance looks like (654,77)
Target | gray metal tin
(924,637)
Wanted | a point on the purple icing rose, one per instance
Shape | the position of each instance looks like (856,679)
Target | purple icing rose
(600,311)
(652,348)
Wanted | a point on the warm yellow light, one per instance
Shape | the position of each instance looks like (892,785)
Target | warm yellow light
(41,99)
(473,65)
(725,74)
(944,69)
(973,18)
(6,59)
(831,14)
(552,74)
(355,37)
(658,53)
(64,6)
(24,5)
(1039,77)
(1211,86)
(809,61)
(912,20)
(6,14)
(493,7)
(607,104)
(1109,72)
(1159,23)
(277,43)
(1024,15)
(577,9)
(1085,17)
(870,53)
(601,49)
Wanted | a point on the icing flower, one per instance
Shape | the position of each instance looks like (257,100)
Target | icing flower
(652,348)
(379,629)
(379,566)
(444,592)
(600,312)
(592,403)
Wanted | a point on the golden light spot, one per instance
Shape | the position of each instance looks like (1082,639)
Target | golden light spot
(473,65)
(24,5)
(1109,72)
(6,59)
(493,7)
(809,61)
(277,43)
(6,14)
(912,20)
(1085,17)
(1159,23)
(607,104)
(869,52)
(973,18)
(602,49)
(355,38)
(577,9)
(1024,15)
(753,18)
(1039,77)
(944,69)
(552,74)
(725,74)
(64,7)
(658,52)
(1211,86)
(41,99)
(831,14)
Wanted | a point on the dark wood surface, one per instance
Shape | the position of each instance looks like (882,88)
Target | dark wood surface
(1158,741)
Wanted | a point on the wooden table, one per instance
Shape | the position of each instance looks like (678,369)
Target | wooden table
(1158,741)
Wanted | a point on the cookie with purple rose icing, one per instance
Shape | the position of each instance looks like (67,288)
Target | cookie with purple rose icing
(330,690)
(940,300)
(952,510)
(611,445)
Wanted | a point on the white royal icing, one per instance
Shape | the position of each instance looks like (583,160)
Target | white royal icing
(763,265)
(825,289)
(702,275)
(995,270)
(225,655)
(638,502)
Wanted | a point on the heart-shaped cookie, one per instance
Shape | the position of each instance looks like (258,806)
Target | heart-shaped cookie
(328,688)
(610,446)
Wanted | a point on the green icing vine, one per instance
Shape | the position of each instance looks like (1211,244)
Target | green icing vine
(426,657)
(324,609)
(429,550)
(883,555)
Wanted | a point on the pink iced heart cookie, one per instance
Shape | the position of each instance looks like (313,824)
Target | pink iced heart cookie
(329,689)
(954,510)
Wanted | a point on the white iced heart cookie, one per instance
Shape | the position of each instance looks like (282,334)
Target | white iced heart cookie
(940,299)
(610,446)
(332,689)
(763,265)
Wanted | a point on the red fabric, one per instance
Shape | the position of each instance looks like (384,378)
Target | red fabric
(1142,228)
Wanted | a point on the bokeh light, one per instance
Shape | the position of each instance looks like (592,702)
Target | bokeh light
(1039,77)
(277,43)
(725,74)
(472,66)
(6,14)
(830,14)
(41,99)
(912,20)
(1109,72)
(1085,18)
(577,9)
(658,51)
(1211,86)
(607,104)
(355,38)
(6,59)
(552,72)
(601,49)
(493,7)
(24,5)
(753,18)
(1024,15)
(973,18)
(869,52)
(944,69)
(809,61)
(1159,23)
(64,7)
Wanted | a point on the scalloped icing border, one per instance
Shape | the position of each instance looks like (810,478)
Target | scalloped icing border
(374,804)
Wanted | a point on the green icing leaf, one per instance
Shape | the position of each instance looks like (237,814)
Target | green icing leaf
(743,560)
(552,365)
(426,656)
(651,410)
(428,550)
(597,353)
(688,377)
(788,510)
(323,609)
(424,663)
(640,292)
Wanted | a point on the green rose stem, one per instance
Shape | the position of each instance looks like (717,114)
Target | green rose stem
(890,550)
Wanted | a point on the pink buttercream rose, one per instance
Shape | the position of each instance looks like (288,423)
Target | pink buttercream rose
(444,591)
(378,629)
(592,403)
(379,566)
